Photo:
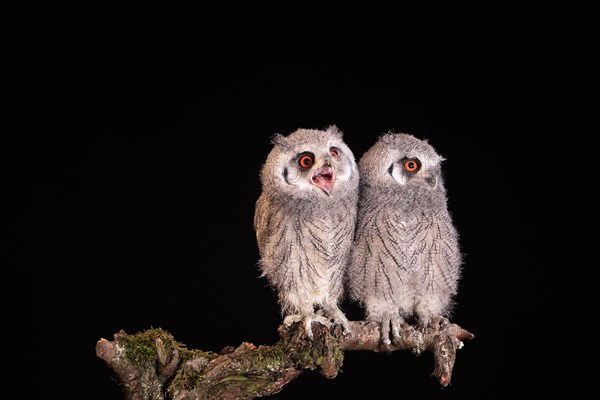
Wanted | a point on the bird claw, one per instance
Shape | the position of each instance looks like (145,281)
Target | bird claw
(290,320)
(423,325)
(443,322)
(337,317)
(396,322)
(426,322)
(307,321)
(342,321)
(390,330)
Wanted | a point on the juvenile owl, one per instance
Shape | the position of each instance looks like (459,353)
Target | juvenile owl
(406,260)
(304,222)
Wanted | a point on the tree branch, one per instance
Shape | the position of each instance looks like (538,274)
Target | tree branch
(151,365)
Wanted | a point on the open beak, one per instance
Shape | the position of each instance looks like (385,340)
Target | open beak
(324,178)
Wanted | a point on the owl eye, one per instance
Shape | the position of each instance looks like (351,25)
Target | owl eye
(306,160)
(334,152)
(411,165)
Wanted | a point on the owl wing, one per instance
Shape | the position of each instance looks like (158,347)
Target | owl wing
(274,238)
(439,255)
(261,222)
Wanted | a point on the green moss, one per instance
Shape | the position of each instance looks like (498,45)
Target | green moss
(140,348)
(323,352)
(191,380)
(187,377)
(187,354)
(272,358)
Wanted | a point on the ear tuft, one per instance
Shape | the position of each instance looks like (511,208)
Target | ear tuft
(333,129)
(278,139)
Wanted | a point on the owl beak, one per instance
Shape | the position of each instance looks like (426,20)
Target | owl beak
(324,177)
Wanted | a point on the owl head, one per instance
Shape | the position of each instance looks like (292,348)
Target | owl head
(310,164)
(400,159)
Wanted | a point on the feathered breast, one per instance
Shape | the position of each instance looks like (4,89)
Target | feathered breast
(299,241)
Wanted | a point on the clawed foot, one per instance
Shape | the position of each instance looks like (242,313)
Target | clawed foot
(336,316)
(325,317)
(428,321)
(391,324)
(307,321)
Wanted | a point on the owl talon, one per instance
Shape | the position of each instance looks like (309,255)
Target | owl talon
(337,317)
(345,327)
(442,322)
(426,322)
(386,343)
(307,321)
(390,329)
(308,328)
(423,325)
(322,320)
(385,332)
(291,320)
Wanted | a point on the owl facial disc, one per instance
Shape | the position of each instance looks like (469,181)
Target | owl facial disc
(324,178)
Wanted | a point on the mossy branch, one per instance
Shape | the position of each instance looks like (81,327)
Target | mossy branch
(152,365)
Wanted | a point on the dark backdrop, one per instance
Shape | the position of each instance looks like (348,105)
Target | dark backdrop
(137,213)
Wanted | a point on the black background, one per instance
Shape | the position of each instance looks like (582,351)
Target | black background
(137,213)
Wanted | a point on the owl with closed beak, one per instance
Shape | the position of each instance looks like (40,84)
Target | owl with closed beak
(406,260)
(304,222)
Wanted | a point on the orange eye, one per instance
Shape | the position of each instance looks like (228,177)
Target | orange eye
(306,161)
(334,152)
(411,165)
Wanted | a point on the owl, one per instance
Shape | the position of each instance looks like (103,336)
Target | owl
(304,222)
(406,261)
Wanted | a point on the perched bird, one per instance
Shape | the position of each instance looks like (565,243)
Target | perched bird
(304,221)
(406,260)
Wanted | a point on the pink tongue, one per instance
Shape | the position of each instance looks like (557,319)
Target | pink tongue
(325,182)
